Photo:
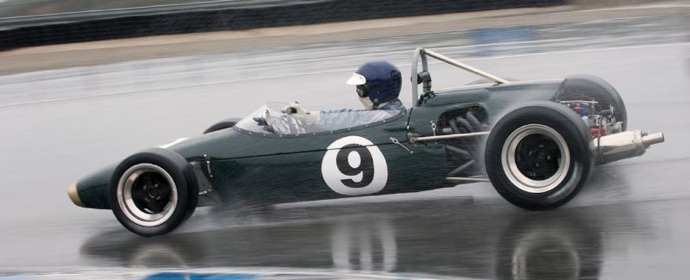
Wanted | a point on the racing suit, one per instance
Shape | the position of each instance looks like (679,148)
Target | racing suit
(331,120)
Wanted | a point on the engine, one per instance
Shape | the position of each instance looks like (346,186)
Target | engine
(464,156)
(601,121)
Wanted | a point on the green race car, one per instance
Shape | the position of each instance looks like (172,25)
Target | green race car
(535,141)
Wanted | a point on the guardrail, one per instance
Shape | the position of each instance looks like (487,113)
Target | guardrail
(26,31)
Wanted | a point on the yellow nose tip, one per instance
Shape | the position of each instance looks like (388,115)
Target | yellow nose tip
(74,195)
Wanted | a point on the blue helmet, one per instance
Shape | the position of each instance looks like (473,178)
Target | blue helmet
(379,80)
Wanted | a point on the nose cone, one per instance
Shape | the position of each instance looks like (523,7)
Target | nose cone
(74,195)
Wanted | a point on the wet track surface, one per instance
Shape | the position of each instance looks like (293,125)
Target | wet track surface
(629,222)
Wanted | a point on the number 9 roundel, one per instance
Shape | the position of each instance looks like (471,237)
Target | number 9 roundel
(354,166)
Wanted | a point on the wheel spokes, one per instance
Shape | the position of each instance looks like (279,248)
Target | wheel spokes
(538,157)
(157,206)
(139,195)
(151,194)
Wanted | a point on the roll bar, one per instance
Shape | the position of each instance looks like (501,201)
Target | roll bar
(424,77)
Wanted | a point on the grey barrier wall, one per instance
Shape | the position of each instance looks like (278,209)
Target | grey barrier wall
(29,31)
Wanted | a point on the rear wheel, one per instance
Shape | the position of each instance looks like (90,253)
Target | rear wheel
(537,156)
(150,194)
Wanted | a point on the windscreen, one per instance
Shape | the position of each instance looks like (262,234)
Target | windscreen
(270,120)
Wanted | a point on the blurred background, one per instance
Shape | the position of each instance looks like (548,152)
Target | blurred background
(28,23)
(86,83)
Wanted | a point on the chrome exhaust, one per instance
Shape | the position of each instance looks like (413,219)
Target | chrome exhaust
(623,145)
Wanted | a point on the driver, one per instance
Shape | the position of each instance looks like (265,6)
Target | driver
(377,84)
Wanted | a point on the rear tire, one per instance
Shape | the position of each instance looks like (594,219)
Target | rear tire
(537,156)
(153,192)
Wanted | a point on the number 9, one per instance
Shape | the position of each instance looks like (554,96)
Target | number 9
(354,166)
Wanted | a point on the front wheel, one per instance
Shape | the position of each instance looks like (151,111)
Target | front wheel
(537,156)
(150,194)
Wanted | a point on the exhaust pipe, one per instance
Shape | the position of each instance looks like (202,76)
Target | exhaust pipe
(623,145)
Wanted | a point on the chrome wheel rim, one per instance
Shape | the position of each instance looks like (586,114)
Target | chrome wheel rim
(535,158)
(147,195)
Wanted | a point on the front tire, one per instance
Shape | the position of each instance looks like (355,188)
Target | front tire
(150,192)
(537,156)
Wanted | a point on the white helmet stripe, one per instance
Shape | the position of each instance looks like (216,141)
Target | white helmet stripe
(356,80)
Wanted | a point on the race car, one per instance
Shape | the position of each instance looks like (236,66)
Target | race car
(534,141)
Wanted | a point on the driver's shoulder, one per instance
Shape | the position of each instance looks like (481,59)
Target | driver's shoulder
(394,105)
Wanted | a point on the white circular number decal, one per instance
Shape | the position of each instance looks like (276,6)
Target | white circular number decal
(353,166)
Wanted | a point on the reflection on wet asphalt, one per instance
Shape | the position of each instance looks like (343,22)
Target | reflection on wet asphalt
(629,222)
(442,236)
